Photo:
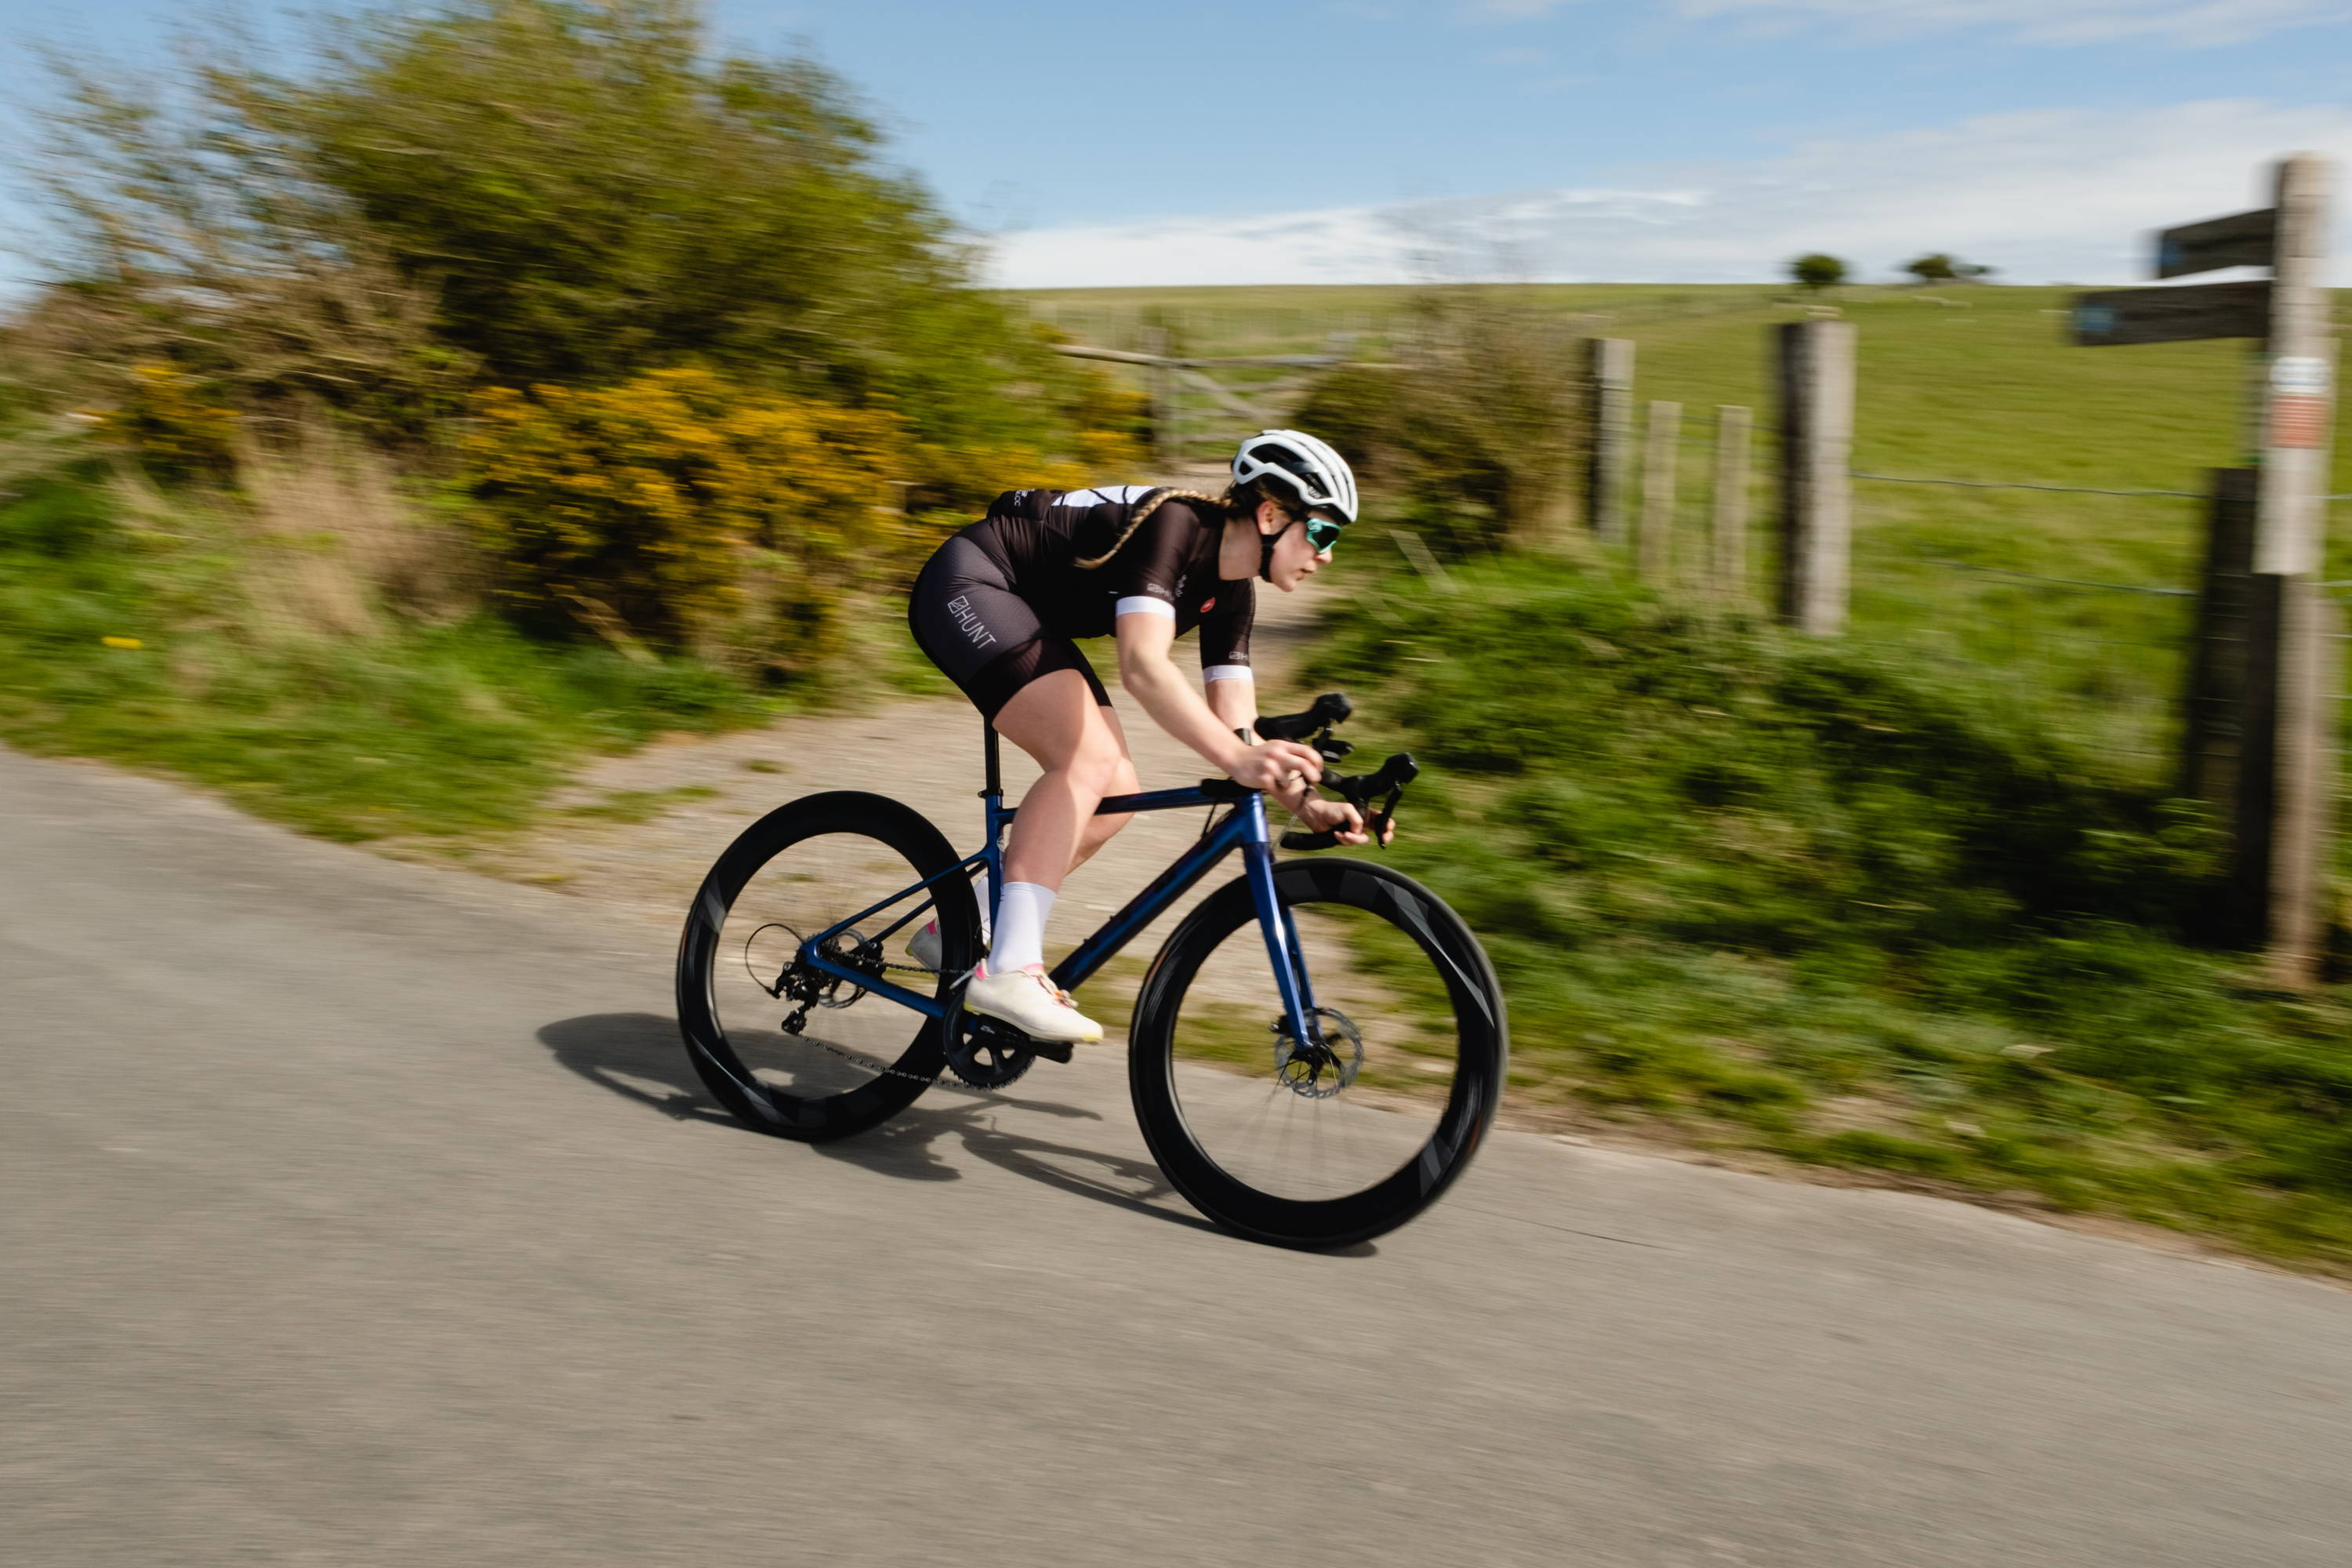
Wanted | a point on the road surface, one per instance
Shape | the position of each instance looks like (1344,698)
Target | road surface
(362,1213)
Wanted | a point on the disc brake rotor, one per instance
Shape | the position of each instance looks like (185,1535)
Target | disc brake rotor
(1319,1071)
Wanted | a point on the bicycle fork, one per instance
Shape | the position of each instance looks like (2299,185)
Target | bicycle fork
(1279,927)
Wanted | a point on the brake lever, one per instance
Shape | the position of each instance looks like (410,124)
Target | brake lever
(1376,825)
(1353,790)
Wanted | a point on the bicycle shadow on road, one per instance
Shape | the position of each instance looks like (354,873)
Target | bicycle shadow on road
(637,1056)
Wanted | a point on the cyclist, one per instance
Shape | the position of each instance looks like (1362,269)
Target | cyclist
(996,607)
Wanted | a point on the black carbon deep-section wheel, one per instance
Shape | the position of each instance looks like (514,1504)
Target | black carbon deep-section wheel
(851,1059)
(1276,1154)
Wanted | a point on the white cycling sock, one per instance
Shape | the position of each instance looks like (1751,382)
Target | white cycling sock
(1020,939)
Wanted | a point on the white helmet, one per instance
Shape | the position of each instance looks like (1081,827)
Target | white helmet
(1319,475)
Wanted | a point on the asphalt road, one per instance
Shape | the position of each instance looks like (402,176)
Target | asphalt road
(353,1212)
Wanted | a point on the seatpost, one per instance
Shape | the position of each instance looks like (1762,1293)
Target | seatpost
(995,780)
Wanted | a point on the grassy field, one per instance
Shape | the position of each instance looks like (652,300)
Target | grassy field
(1974,382)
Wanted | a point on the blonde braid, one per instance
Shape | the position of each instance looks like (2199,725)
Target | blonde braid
(1143,509)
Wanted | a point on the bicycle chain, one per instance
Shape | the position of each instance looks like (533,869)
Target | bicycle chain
(870,1065)
(800,1016)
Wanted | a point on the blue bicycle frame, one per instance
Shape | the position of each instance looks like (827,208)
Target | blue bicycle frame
(1243,828)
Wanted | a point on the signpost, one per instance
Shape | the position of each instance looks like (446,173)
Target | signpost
(2242,239)
(2173,315)
(2268,705)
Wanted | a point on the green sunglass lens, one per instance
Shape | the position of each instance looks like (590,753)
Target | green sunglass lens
(1322,534)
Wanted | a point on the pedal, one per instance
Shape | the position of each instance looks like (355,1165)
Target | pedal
(1052,1050)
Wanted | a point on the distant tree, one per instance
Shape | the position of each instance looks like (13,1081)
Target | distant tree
(1817,271)
(1939,266)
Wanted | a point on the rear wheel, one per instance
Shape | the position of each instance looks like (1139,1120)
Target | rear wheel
(794,1051)
(1337,1140)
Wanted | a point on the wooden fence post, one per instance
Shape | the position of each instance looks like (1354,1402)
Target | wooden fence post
(1167,414)
(1609,392)
(1815,363)
(2290,533)
(1655,548)
(1728,521)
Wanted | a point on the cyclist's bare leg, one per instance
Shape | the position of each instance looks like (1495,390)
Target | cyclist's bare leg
(1080,746)
(1100,830)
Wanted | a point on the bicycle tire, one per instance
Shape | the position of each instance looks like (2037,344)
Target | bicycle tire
(1482,1034)
(765,1107)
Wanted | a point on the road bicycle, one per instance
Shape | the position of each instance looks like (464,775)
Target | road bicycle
(1314,1055)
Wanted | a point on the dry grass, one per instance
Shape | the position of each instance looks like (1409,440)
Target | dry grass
(331,543)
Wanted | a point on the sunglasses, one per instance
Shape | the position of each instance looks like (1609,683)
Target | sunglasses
(1322,533)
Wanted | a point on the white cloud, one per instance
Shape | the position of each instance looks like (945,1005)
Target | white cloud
(2183,22)
(2056,194)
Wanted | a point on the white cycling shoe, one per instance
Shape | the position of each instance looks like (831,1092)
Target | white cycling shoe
(1032,1004)
(923,947)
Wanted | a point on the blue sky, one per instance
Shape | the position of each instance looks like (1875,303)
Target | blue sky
(1669,139)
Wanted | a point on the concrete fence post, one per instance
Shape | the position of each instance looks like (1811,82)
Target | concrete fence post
(1655,548)
(1815,365)
(1728,515)
(1609,454)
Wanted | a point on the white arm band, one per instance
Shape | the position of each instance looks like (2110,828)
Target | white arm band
(1140,605)
(1226,672)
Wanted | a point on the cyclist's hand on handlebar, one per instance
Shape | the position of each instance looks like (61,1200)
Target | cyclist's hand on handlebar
(1316,815)
(1271,765)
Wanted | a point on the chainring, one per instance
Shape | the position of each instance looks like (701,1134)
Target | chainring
(1321,1072)
(987,1053)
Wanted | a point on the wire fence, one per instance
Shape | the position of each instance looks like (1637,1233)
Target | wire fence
(2075,604)
(2106,661)
(2100,655)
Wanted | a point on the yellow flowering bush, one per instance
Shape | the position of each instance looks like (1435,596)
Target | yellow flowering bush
(685,509)
(174,421)
(688,510)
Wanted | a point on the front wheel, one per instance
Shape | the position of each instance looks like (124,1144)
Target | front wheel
(1341,1139)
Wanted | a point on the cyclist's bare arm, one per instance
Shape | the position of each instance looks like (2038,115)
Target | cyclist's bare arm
(1147,674)
(1232,698)
(1285,769)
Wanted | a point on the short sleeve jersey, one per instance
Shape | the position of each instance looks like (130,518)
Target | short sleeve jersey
(1138,543)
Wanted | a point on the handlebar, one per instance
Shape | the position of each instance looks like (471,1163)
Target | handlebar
(1360,789)
(1331,708)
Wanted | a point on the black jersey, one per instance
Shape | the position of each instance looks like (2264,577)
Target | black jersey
(1082,558)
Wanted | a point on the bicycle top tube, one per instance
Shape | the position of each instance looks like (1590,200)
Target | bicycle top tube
(1208,791)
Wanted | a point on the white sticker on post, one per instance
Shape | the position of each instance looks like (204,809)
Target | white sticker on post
(2299,375)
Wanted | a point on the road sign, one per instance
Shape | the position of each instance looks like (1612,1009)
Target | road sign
(2242,239)
(2173,315)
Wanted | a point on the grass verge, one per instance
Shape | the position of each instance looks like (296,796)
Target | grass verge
(136,646)
(1833,902)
